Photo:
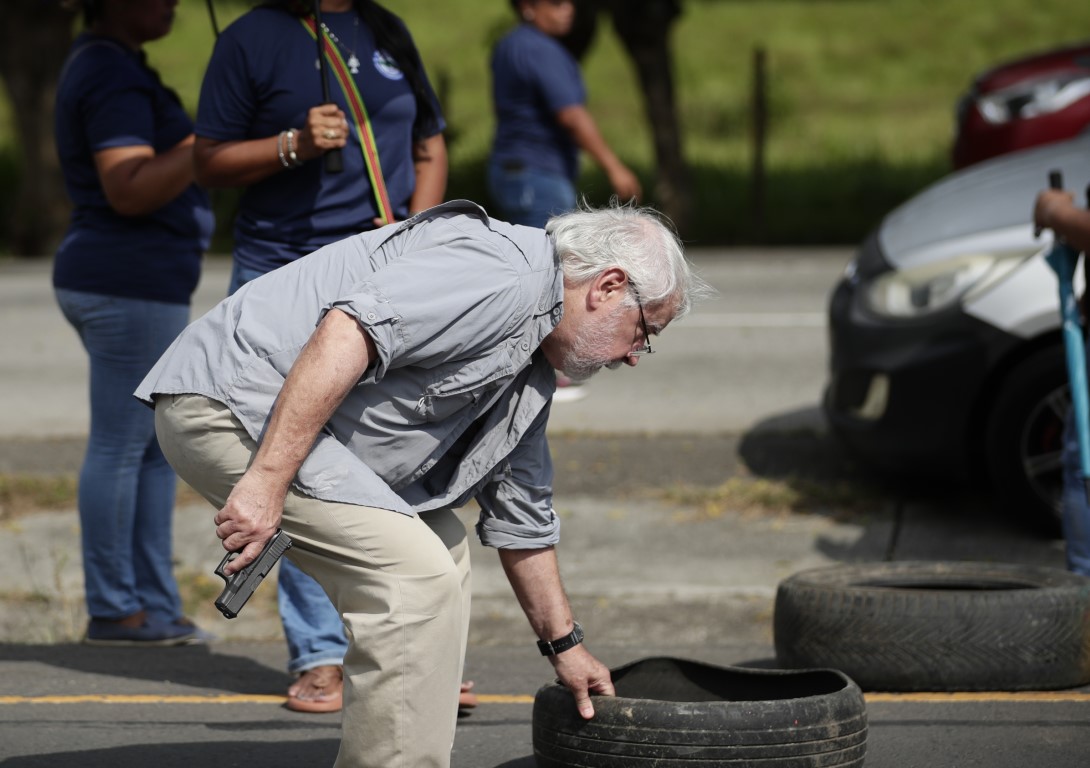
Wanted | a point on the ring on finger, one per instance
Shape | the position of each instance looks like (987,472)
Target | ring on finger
(330,134)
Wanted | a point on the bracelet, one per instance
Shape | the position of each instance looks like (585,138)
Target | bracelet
(295,161)
(280,150)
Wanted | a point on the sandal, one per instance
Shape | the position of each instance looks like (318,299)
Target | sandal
(320,689)
(467,699)
(328,682)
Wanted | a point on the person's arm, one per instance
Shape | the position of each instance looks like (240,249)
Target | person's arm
(577,121)
(1055,209)
(332,362)
(245,162)
(430,166)
(138,182)
(535,577)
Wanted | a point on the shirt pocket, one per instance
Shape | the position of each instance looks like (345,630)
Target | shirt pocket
(453,388)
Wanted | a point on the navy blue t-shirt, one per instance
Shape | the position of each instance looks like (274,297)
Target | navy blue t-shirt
(263,79)
(533,78)
(106,98)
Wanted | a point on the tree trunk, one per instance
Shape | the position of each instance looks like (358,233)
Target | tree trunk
(583,29)
(34,40)
(644,28)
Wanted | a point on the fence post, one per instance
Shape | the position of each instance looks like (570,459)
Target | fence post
(760,129)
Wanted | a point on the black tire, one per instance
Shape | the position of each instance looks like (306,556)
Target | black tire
(1023,440)
(938,626)
(672,713)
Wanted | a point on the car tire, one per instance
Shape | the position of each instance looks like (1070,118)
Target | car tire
(1023,439)
(674,713)
(940,626)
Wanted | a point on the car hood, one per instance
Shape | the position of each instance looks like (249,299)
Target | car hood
(1073,58)
(985,207)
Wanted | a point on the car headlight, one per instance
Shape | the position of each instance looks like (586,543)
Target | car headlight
(917,292)
(1035,98)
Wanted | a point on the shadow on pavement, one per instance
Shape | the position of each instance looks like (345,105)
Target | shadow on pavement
(790,446)
(218,753)
(192,665)
(898,518)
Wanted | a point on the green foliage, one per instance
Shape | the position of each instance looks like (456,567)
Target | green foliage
(861,97)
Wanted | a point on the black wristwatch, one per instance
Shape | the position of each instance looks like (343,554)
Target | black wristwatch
(561,644)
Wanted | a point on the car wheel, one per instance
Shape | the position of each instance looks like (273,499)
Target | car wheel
(934,626)
(1023,439)
(673,713)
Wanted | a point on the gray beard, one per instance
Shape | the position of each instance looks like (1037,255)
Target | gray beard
(587,356)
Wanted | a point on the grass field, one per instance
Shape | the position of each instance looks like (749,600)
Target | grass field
(861,95)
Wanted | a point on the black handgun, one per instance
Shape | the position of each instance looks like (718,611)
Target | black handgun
(242,584)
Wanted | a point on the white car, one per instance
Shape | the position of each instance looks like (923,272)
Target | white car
(946,354)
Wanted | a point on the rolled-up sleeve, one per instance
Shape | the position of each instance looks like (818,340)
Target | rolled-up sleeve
(517,504)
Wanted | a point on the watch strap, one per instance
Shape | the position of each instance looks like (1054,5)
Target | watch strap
(561,644)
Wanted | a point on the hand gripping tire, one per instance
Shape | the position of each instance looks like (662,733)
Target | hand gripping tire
(672,713)
(938,626)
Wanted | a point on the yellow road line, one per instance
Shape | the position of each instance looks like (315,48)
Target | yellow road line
(115,698)
(486,698)
(975,696)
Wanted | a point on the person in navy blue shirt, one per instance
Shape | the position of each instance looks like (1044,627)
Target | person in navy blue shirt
(542,121)
(261,125)
(263,81)
(123,277)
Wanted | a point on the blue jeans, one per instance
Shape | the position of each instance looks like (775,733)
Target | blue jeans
(1075,509)
(312,627)
(126,487)
(528,196)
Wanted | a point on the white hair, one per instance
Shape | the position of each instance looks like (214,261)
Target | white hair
(639,241)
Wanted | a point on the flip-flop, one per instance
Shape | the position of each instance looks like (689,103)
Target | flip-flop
(331,703)
(466,698)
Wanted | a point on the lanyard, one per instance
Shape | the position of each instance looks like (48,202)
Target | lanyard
(363,123)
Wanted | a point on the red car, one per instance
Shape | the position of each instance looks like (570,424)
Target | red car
(1035,100)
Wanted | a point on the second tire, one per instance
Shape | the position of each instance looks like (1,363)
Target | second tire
(938,626)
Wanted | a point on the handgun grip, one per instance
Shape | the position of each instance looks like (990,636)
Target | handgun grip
(240,586)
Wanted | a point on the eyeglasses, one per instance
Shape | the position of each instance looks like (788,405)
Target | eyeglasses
(646,348)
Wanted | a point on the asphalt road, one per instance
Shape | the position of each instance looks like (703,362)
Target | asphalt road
(756,350)
(733,389)
(737,380)
(189,707)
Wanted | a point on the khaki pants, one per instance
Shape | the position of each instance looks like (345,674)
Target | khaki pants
(400,583)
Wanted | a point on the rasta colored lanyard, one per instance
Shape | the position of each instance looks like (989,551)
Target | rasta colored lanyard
(359,114)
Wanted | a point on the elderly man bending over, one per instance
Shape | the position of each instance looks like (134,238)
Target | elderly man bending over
(358,396)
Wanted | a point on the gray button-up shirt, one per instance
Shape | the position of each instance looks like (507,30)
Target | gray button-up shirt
(456,404)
